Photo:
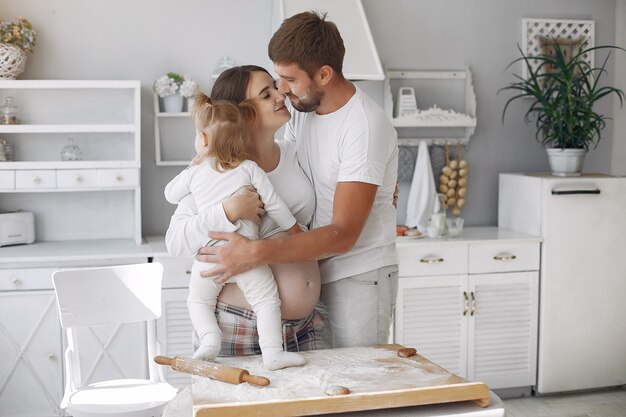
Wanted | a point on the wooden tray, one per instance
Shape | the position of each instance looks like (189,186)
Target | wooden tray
(376,376)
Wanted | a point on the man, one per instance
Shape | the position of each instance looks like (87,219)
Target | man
(348,149)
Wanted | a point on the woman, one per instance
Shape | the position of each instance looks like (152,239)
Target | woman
(298,284)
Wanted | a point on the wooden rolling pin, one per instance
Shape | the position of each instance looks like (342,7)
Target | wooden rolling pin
(212,370)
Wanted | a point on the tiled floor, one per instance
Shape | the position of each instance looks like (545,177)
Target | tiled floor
(594,404)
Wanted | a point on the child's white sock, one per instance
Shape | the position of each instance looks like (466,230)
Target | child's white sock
(210,345)
(277,358)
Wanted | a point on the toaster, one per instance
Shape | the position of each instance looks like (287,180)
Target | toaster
(16,227)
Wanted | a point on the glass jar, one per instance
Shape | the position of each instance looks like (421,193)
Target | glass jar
(222,66)
(71,152)
(8,112)
(6,151)
(438,223)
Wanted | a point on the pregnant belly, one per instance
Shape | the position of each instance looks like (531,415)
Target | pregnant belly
(298,288)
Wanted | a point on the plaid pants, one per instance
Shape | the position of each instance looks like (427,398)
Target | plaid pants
(240,336)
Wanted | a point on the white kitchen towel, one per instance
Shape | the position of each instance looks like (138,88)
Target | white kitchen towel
(422,193)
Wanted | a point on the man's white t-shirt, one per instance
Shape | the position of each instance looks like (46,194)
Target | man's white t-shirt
(356,143)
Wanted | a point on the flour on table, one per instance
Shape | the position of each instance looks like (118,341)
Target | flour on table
(361,369)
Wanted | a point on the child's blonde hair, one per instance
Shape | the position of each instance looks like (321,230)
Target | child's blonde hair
(226,125)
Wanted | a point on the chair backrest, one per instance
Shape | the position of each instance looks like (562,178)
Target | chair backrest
(107,295)
(112,295)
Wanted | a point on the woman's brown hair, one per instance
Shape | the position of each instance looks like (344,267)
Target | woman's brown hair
(232,84)
(309,40)
(226,124)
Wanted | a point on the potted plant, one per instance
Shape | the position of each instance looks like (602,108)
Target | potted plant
(563,90)
(172,87)
(16,38)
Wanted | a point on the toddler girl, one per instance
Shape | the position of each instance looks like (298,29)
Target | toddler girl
(219,169)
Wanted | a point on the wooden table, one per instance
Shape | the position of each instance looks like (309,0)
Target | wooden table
(376,376)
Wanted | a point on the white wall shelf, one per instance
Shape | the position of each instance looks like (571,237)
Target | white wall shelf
(173,136)
(68,164)
(177,114)
(98,197)
(68,128)
(437,121)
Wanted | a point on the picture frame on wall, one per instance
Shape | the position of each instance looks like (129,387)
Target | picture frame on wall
(539,37)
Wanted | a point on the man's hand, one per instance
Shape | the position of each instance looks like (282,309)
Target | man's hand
(234,257)
(396,193)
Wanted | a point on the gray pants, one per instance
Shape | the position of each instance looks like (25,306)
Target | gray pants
(361,307)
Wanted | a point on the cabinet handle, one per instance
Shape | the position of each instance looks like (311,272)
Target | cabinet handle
(188,272)
(504,257)
(52,357)
(16,281)
(473,296)
(36,180)
(78,179)
(119,178)
(431,260)
(574,192)
(465,303)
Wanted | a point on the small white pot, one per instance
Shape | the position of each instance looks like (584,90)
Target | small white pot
(566,162)
(173,103)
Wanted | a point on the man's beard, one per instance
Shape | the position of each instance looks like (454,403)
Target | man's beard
(308,103)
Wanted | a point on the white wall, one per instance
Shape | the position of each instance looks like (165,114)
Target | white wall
(142,39)
(618,150)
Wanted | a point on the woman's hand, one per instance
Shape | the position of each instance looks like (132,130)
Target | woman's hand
(234,257)
(244,204)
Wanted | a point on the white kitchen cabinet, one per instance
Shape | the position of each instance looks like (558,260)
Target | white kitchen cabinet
(174,328)
(582,321)
(31,372)
(470,303)
(97,197)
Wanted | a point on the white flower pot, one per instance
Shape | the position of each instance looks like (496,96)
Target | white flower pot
(566,162)
(173,103)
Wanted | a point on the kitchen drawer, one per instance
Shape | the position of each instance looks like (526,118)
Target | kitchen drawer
(503,257)
(26,279)
(7,180)
(176,270)
(432,259)
(76,178)
(35,179)
(118,177)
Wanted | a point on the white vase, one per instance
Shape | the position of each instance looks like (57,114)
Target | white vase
(566,162)
(173,103)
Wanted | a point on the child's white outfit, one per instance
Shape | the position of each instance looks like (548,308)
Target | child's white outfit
(210,187)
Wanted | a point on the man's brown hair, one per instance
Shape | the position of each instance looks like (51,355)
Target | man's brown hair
(309,40)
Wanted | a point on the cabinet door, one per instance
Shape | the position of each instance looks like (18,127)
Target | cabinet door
(430,316)
(174,331)
(503,329)
(31,378)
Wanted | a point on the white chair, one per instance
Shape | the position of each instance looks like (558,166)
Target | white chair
(112,295)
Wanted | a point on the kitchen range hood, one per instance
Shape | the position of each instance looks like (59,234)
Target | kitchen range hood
(361,61)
